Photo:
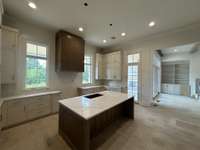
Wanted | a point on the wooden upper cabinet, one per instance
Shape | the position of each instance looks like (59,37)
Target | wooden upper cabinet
(69,52)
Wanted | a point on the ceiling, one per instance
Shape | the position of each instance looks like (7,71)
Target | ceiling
(189,48)
(130,16)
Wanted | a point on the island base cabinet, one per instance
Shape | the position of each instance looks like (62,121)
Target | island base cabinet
(73,129)
(79,132)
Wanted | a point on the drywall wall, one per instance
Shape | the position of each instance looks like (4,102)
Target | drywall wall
(67,82)
(146,47)
(194,59)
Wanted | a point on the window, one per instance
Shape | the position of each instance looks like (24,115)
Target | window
(36,66)
(133,68)
(134,58)
(87,75)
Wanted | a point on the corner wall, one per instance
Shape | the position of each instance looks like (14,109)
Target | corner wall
(67,82)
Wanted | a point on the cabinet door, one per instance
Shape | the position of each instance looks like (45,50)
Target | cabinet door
(9,46)
(15,112)
(116,66)
(55,105)
(99,67)
(113,66)
(69,52)
(38,106)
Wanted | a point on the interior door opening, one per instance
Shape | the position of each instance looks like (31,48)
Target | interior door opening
(133,74)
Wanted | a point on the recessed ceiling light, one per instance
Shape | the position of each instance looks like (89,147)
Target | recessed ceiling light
(32,5)
(123,34)
(104,41)
(85,4)
(152,24)
(80,29)
(175,50)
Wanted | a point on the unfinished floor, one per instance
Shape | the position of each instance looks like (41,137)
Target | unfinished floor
(173,125)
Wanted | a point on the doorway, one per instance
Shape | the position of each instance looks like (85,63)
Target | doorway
(133,75)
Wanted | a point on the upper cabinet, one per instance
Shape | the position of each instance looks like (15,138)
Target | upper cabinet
(108,66)
(9,48)
(99,67)
(69,52)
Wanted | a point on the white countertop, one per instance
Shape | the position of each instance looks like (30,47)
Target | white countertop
(88,108)
(30,95)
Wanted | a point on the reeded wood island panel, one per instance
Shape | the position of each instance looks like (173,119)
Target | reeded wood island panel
(81,119)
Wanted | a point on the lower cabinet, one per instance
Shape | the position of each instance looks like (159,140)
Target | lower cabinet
(55,104)
(38,106)
(17,111)
(175,89)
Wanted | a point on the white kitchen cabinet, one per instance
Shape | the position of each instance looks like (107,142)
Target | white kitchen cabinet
(24,108)
(55,105)
(15,112)
(112,66)
(9,49)
(175,89)
(37,106)
(99,67)
(108,66)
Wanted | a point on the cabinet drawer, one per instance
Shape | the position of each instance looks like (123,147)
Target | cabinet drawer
(15,103)
(38,106)
(35,113)
(37,101)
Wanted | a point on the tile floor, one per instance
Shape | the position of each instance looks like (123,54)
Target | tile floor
(173,125)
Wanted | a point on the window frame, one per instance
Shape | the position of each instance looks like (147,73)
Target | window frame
(135,63)
(91,70)
(47,66)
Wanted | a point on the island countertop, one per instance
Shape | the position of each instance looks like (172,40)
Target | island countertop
(88,108)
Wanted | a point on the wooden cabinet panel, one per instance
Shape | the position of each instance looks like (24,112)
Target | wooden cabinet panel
(69,52)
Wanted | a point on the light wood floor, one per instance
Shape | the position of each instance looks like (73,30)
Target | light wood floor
(173,125)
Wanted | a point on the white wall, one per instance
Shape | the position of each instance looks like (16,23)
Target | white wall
(67,82)
(1,13)
(194,60)
(156,74)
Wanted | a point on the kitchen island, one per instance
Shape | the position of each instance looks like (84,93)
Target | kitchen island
(83,118)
